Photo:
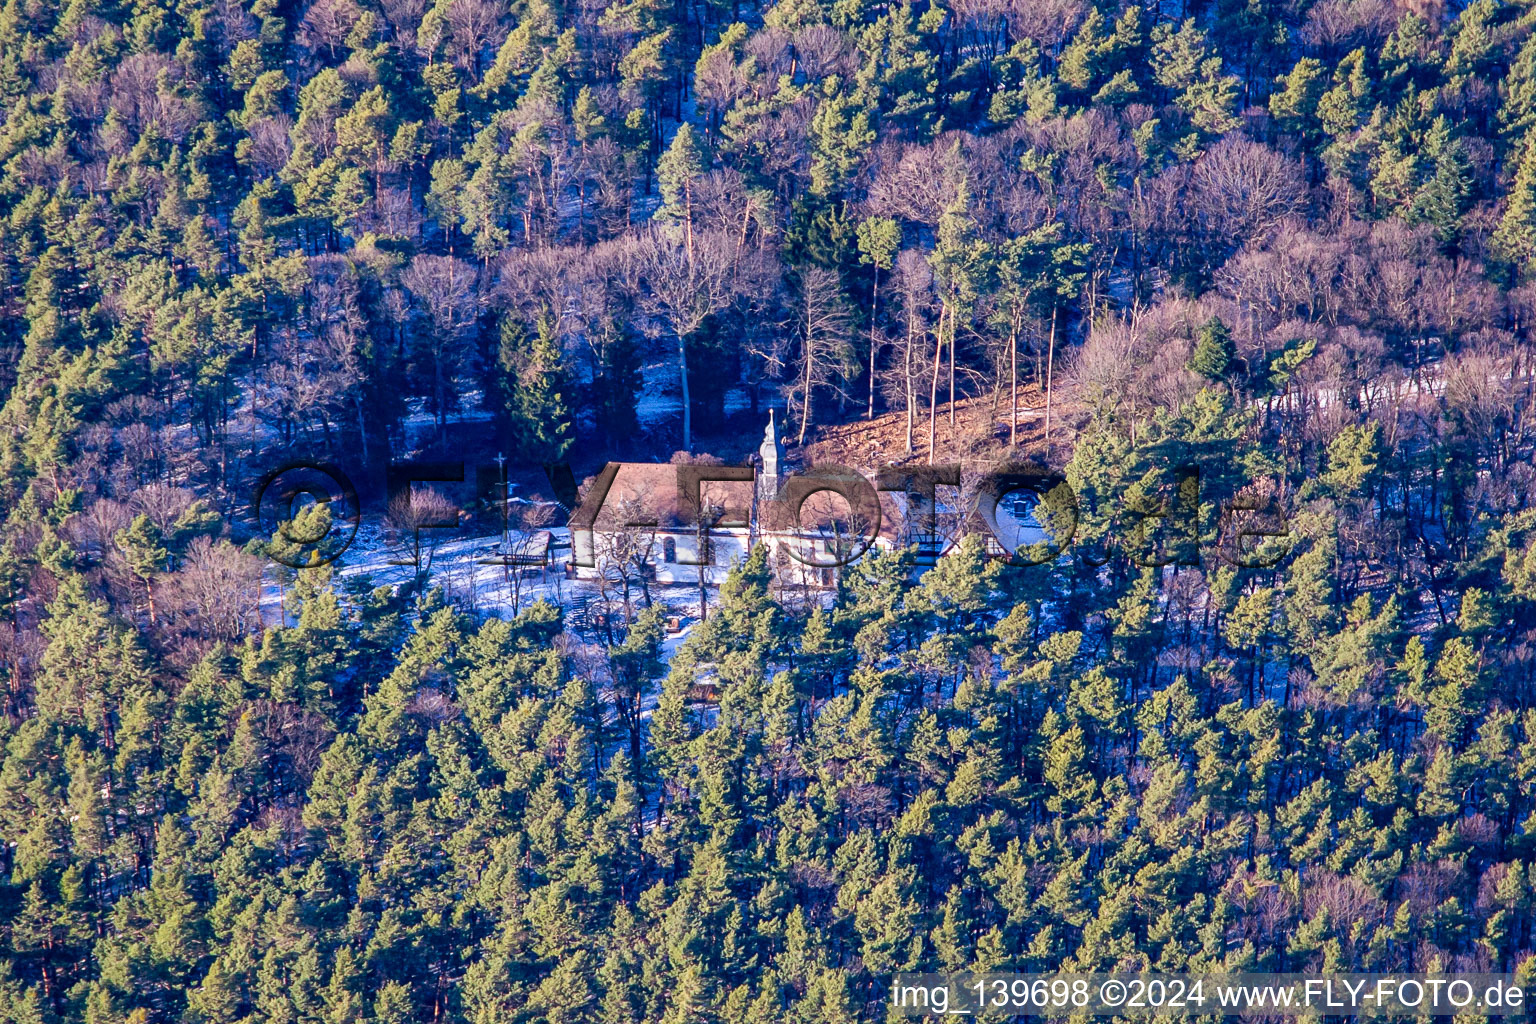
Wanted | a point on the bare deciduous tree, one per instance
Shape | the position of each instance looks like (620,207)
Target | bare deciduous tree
(626,552)
(404,17)
(471,25)
(326,24)
(1244,190)
(417,515)
(144,92)
(445,290)
(914,284)
(823,51)
(527,523)
(220,585)
(271,142)
(823,322)
(679,293)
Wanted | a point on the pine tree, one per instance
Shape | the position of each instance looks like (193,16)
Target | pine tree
(540,425)
(677,174)
(1214,350)
(1025,265)
(1295,106)
(879,239)
(1024,88)
(1183,63)
(1352,458)
(1445,198)
(1517,112)
(1514,241)
(842,131)
(960,262)
(902,69)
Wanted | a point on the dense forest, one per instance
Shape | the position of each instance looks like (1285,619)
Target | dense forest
(1289,243)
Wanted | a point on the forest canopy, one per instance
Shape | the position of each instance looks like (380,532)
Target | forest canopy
(1289,243)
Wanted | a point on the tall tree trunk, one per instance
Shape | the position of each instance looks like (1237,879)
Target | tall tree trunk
(1050,358)
(1013,361)
(682,363)
(933,388)
(688,217)
(953,330)
(362,427)
(805,403)
(908,385)
(874,313)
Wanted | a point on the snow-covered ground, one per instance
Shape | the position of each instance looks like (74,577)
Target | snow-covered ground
(465,565)
(420,423)
(661,394)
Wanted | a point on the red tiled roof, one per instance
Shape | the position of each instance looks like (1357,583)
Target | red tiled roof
(658,494)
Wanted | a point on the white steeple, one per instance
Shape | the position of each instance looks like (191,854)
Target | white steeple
(772,453)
